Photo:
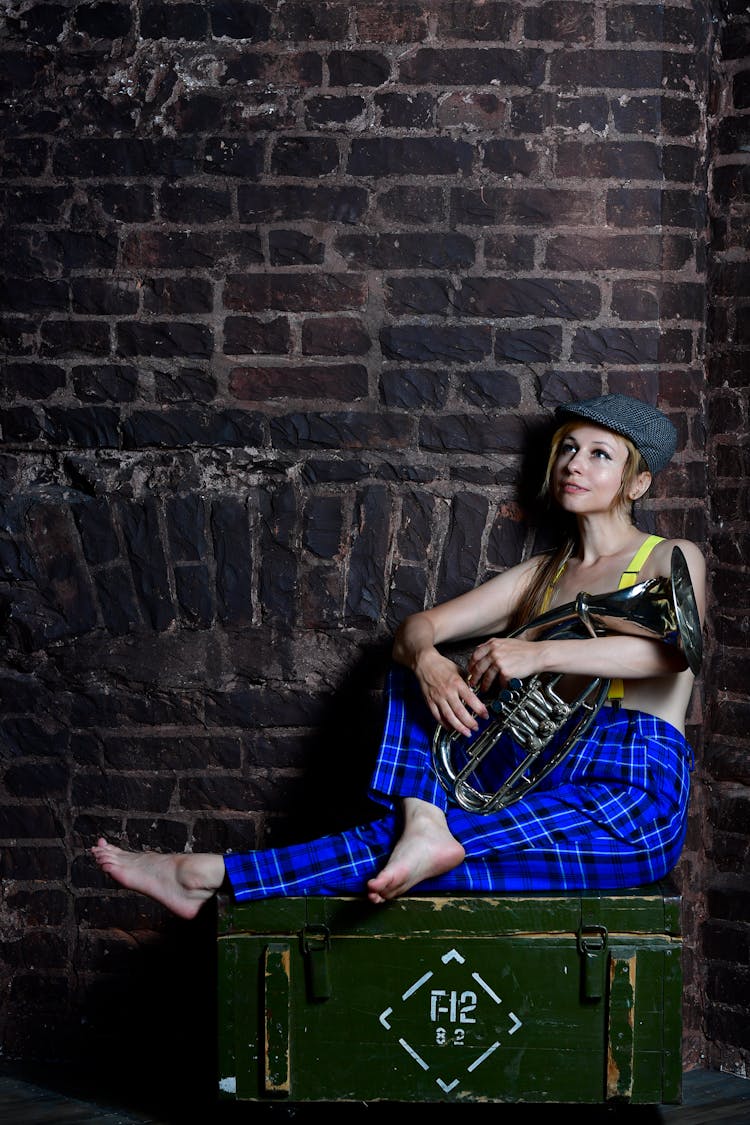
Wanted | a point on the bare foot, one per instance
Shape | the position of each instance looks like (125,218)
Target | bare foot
(182,883)
(426,848)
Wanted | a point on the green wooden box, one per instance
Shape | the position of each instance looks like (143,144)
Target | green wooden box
(511,998)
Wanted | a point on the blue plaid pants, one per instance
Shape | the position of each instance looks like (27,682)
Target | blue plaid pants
(612,814)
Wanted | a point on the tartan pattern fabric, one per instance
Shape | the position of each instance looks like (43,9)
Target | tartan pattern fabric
(613,814)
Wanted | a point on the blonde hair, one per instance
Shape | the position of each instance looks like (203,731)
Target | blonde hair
(550,563)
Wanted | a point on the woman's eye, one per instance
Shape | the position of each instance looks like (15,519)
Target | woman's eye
(602,453)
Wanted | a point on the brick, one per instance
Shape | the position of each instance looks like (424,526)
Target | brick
(139,524)
(247,335)
(117,600)
(327,430)
(500,297)
(417,343)
(93,518)
(509,251)
(619,252)
(470,66)
(20,424)
(410,156)
(303,69)
(342,382)
(123,791)
(406,111)
(27,157)
(277,585)
(651,300)
(43,864)
(414,388)
(234,555)
(26,822)
(489,388)
(527,206)
(178,21)
(35,205)
(93,158)
(505,545)
(31,780)
(40,908)
(233,156)
(322,526)
(295,292)
(185,384)
(560,22)
(630,23)
(463,20)
(530,345)
(392,21)
(511,158)
(472,433)
(41,23)
(633,346)
(164,339)
(104,20)
(182,428)
(408,594)
(407,251)
(634,160)
(741,90)
(190,249)
(130,203)
(200,113)
(99,297)
(182,753)
(408,294)
(475,108)
(672,207)
(309,157)
(334,109)
(74,337)
(627,70)
(459,565)
(32,380)
(335,335)
(185,518)
(358,68)
(104,382)
(413,204)
(185,204)
(177,295)
(416,525)
(260,203)
(23,294)
(242,20)
(365,592)
(301,21)
(294,248)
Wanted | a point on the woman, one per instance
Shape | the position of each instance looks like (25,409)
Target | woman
(612,814)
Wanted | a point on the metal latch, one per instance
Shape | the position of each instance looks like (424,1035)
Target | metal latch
(592,945)
(316,941)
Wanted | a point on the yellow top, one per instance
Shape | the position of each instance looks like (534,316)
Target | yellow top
(627,578)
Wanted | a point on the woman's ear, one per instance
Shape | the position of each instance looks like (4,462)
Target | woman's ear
(640,486)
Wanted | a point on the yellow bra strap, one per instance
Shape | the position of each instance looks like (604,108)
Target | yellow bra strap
(628,578)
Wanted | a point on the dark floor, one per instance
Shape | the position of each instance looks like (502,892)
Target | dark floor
(709,1098)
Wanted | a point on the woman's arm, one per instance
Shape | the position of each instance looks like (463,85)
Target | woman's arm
(612,656)
(483,610)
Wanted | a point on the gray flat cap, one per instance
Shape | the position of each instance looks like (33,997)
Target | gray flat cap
(651,432)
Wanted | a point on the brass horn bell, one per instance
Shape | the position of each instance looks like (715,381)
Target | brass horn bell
(527,715)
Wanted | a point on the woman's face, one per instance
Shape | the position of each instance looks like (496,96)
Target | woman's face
(588,470)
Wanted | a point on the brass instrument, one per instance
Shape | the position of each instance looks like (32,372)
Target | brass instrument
(531,711)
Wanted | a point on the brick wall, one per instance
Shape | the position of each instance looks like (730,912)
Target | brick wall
(289,294)
(725,947)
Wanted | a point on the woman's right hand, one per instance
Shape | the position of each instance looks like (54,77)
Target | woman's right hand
(452,701)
